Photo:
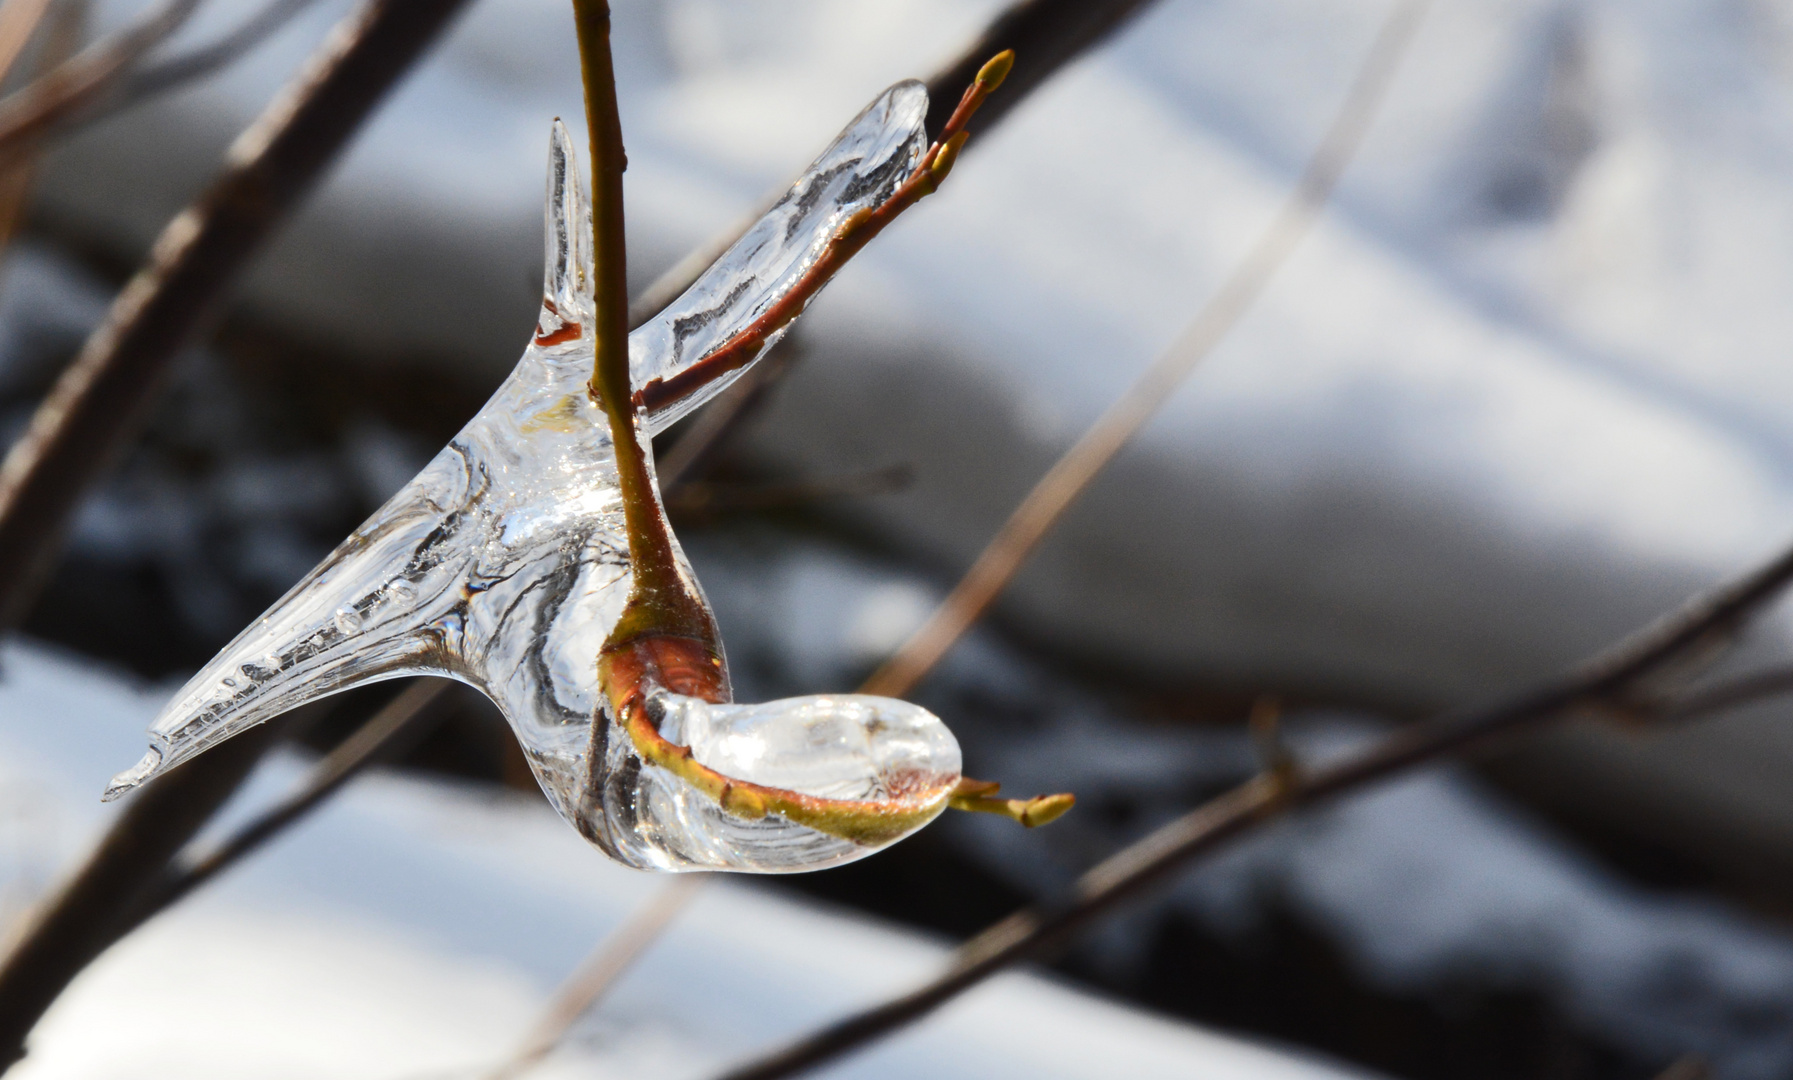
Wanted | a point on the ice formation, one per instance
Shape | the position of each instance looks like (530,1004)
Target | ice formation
(505,565)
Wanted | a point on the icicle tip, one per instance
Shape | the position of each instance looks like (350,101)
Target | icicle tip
(144,769)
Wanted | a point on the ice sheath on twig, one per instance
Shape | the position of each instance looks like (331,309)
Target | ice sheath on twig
(506,564)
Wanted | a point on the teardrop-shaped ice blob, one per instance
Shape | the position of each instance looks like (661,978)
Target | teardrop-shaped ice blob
(875,769)
(505,563)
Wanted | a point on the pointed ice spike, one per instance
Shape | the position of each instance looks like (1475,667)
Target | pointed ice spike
(505,564)
(567,260)
(860,169)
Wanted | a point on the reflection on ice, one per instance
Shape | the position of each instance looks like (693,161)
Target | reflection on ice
(505,564)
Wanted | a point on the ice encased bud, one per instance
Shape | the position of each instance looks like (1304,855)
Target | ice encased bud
(505,563)
(869,752)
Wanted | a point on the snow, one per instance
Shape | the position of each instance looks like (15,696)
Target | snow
(414,928)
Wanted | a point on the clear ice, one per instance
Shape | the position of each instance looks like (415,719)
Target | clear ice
(505,565)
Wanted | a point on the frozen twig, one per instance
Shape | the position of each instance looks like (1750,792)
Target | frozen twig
(851,237)
(1044,35)
(1171,848)
(1072,473)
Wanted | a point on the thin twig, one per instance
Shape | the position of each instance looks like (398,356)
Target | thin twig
(703,434)
(61,41)
(32,110)
(1744,690)
(707,498)
(1072,473)
(1044,35)
(599,972)
(150,80)
(849,238)
(1150,861)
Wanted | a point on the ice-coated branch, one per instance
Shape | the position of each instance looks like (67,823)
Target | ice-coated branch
(849,238)
(1610,678)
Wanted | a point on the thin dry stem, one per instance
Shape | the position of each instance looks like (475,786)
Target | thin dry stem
(30,112)
(1072,473)
(386,734)
(18,21)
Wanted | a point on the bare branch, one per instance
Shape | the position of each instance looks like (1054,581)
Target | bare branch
(99,403)
(1170,849)
(27,113)
(1072,473)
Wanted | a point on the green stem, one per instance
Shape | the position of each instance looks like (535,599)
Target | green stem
(662,601)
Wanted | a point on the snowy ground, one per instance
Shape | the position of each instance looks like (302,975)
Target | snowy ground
(414,929)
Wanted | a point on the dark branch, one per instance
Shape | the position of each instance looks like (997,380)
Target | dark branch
(1169,850)
(103,398)
(101,401)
